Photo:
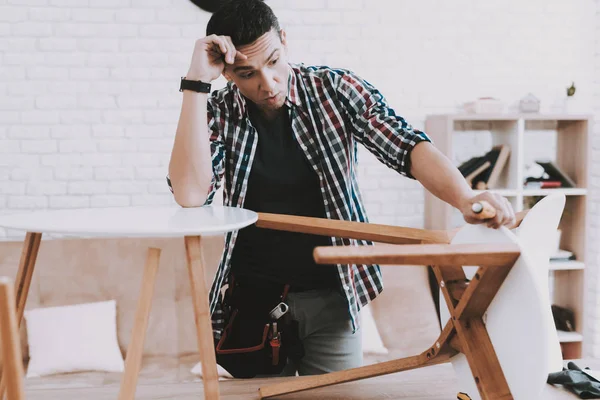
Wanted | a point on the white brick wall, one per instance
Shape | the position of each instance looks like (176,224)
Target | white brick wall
(89,100)
(592,293)
(91,86)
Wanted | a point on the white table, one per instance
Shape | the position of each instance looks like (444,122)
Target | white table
(166,221)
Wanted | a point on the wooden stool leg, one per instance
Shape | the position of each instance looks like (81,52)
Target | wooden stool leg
(9,340)
(202,317)
(133,362)
(29,254)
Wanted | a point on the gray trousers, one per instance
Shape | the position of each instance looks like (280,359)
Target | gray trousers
(325,330)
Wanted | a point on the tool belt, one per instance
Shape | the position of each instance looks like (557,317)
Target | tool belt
(260,335)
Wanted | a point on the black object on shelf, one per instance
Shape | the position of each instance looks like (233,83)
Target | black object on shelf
(554,174)
(483,172)
(564,319)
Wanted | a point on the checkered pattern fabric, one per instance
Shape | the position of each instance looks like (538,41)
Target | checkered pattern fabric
(331,111)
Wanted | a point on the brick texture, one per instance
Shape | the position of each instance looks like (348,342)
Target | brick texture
(89,100)
(592,277)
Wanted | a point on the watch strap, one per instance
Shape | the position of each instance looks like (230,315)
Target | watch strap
(196,86)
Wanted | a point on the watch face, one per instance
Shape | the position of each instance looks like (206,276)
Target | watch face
(208,5)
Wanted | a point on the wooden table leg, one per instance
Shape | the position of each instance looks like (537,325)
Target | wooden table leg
(29,254)
(133,362)
(195,262)
(9,340)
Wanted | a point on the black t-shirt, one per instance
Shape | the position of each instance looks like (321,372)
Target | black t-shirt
(281,181)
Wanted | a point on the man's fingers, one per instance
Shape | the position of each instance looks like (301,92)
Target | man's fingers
(497,220)
(222,45)
(219,43)
(232,53)
(240,56)
(505,214)
(501,211)
(230,56)
(510,217)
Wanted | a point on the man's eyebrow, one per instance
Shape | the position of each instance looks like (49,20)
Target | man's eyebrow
(250,68)
(272,54)
(243,68)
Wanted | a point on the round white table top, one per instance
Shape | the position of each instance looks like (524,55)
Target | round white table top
(161,221)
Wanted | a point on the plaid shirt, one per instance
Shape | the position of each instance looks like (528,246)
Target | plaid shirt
(331,111)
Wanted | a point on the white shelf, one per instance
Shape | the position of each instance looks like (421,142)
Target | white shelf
(572,155)
(569,337)
(565,191)
(514,117)
(536,192)
(501,192)
(566,265)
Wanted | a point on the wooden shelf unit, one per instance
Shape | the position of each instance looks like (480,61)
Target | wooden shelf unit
(572,156)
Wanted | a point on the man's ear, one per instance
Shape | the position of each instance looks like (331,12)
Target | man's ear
(284,39)
(226,75)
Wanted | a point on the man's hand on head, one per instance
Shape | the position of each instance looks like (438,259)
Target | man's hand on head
(505,214)
(211,55)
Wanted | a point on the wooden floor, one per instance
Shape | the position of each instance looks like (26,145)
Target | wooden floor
(436,382)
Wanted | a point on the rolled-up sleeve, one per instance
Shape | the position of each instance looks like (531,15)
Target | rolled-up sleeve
(217,149)
(376,125)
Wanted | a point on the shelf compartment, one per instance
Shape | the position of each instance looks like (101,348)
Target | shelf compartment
(569,139)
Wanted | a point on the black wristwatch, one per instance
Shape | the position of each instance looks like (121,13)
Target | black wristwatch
(196,86)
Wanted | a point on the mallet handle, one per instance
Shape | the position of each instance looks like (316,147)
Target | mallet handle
(483,210)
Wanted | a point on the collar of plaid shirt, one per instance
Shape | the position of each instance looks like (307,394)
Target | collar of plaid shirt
(331,111)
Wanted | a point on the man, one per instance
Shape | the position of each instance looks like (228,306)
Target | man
(283,139)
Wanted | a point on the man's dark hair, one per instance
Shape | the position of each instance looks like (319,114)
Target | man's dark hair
(243,20)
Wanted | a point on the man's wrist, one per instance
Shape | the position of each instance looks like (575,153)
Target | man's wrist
(194,85)
(464,199)
(196,76)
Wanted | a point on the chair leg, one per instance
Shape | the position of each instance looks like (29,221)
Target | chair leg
(29,254)
(483,361)
(10,342)
(206,346)
(133,362)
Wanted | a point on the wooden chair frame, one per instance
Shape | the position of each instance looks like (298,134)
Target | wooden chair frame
(10,343)
(467,302)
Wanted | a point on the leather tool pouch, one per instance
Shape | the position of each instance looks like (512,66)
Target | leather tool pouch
(254,342)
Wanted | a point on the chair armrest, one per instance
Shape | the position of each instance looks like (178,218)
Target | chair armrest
(350,229)
(488,255)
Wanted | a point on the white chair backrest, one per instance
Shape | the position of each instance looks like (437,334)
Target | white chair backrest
(519,319)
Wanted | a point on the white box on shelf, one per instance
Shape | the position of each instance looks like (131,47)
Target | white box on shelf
(484,105)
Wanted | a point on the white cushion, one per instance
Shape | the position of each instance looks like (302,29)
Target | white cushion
(371,340)
(73,338)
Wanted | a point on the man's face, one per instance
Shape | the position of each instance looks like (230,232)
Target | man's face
(263,77)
